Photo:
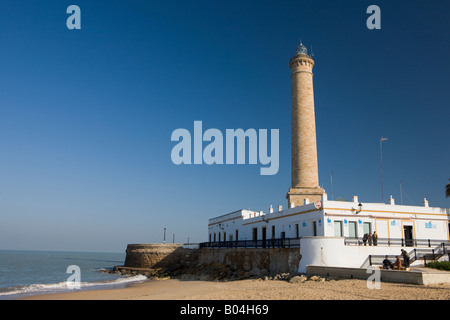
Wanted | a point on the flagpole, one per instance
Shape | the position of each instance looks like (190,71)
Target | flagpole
(331,178)
(401,193)
(381,158)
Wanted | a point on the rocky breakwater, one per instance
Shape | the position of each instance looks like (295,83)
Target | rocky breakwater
(215,272)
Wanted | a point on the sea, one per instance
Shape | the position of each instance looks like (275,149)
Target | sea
(25,273)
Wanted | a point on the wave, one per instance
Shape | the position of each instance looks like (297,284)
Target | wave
(68,286)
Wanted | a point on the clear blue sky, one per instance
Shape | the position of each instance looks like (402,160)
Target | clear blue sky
(86,115)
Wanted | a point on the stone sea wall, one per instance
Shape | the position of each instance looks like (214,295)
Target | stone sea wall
(155,256)
(190,262)
(257,261)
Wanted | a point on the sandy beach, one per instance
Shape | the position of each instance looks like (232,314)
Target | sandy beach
(258,289)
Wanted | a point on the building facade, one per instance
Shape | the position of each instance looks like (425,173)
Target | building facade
(352,220)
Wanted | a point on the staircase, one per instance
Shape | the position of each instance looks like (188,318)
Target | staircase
(425,254)
(429,254)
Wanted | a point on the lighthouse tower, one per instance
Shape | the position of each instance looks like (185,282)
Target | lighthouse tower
(305,176)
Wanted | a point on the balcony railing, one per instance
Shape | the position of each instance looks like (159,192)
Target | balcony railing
(295,243)
(268,243)
(397,242)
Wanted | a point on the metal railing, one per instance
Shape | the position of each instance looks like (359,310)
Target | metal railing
(425,254)
(396,242)
(435,253)
(268,243)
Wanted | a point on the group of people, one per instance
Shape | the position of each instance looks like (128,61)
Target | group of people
(397,265)
(370,238)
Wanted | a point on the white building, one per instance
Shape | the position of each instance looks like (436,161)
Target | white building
(328,218)
(331,232)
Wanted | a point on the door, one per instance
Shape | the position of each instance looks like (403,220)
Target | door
(352,229)
(408,234)
(255,234)
(264,236)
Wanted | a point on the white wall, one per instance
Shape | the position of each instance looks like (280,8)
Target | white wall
(331,251)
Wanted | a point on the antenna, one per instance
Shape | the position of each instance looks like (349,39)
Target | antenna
(331,178)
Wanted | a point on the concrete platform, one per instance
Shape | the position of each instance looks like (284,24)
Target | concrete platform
(417,275)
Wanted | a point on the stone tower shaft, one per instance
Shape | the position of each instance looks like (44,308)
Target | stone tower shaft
(305,176)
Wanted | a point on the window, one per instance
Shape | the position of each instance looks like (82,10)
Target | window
(314,224)
(338,229)
(273,232)
(297,232)
(367,227)
(352,229)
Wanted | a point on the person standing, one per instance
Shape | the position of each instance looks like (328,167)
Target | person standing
(375,238)
(365,237)
(405,259)
(370,238)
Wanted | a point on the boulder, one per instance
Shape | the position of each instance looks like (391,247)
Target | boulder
(298,279)
(314,278)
